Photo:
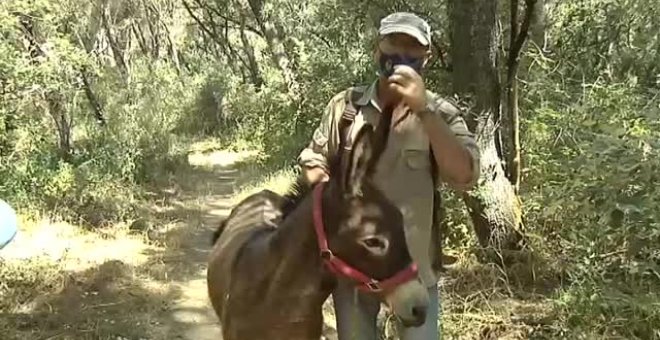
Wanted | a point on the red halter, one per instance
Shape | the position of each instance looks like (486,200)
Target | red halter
(339,267)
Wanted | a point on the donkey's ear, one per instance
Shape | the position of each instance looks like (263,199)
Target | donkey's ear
(358,163)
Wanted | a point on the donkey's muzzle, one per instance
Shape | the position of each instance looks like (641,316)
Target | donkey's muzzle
(409,302)
(418,317)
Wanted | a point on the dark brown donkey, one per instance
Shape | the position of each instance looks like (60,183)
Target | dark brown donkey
(270,270)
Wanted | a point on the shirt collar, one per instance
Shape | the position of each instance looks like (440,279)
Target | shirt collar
(370,96)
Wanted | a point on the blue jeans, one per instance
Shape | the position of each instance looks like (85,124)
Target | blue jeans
(357,313)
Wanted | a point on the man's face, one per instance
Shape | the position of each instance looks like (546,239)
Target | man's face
(402,46)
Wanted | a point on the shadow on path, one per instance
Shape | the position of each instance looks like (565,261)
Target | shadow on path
(197,200)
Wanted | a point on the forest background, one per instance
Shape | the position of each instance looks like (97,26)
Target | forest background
(101,101)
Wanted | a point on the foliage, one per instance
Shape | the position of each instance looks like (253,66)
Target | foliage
(94,177)
(591,150)
(97,97)
(606,38)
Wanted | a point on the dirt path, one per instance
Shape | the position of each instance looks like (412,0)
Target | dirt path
(192,313)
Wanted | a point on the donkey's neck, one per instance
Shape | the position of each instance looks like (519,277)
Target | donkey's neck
(279,287)
(294,245)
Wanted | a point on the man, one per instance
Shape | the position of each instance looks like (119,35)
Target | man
(422,123)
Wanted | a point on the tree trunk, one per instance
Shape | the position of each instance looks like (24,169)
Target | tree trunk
(518,37)
(117,52)
(255,75)
(276,46)
(174,53)
(538,24)
(139,35)
(63,121)
(233,57)
(154,30)
(493,206)
(93,100)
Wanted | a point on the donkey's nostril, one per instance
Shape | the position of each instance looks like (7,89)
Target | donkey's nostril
(419,314)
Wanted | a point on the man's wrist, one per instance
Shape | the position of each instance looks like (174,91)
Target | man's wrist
(315,174)
(426,112)
(432,120)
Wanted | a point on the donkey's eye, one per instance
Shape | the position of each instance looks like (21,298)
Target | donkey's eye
(375,244)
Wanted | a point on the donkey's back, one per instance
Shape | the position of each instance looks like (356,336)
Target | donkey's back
(257,213)
(261,209)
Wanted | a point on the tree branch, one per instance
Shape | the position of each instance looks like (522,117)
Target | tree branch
(226,46)
(140,37)
(513,41)
(440,52)
(63,122)
(227,19)
(198,21)
(518,40)
(117,52)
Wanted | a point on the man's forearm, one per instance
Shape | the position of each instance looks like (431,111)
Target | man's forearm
(453,159)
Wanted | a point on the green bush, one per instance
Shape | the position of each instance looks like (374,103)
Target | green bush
(591,156)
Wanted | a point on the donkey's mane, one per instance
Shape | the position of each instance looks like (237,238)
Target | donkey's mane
(300,188)
(295,194)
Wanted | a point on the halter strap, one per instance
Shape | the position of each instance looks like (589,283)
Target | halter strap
(340,268)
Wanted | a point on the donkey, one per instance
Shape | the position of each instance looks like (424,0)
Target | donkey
(269,280)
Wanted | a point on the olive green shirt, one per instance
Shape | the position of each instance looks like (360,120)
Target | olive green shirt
(404,169)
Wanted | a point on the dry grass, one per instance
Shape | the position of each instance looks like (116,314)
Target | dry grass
(60,281)
(484,301)
(278,182)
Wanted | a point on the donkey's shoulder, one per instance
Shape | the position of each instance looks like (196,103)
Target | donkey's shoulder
(245,211)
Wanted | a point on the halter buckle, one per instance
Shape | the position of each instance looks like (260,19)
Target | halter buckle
(374,286)
(326,254)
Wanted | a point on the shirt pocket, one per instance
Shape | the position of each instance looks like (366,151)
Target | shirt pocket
(319,138)
(417,158)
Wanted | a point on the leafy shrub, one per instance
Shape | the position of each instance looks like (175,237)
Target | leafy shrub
(591,153)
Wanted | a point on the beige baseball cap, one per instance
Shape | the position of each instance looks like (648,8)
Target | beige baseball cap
(407,23)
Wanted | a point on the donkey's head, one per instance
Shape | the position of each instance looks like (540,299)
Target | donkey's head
(367,230)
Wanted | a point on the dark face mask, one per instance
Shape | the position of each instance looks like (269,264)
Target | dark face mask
(387,63)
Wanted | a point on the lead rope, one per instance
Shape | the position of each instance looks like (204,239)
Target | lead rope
(355,312)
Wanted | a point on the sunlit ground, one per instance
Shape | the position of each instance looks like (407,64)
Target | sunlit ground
(73,247)
(142,279)
(59,281)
